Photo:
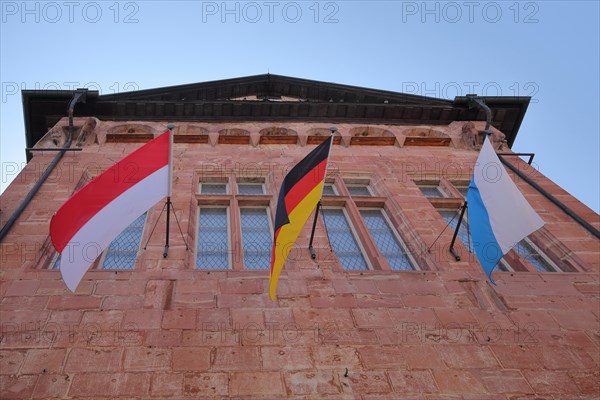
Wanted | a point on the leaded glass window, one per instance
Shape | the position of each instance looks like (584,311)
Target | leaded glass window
(527,251)
(463,190)
(359,190)
(328,190)
(122,251)
(343,241)
(213,239)
(250,188)
(213,188)
(257,239)
(451,218)
(431,191)
(56,263)
(503,266)
(524,249)
(386,240)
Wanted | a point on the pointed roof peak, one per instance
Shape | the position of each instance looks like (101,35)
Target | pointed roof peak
(272,85)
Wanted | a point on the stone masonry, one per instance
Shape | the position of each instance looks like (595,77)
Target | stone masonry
(168,330)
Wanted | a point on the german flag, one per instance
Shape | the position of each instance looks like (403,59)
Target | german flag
(300,192)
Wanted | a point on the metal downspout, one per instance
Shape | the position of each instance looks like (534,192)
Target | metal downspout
(78,96)
(589,227)
(476,102)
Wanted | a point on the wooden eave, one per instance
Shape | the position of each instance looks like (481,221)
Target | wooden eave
(314,102)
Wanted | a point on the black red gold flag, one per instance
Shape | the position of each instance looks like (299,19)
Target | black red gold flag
(300,192)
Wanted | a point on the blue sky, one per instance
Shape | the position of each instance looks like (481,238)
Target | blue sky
(545,49)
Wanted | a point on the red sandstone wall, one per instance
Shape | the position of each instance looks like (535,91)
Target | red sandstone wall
(165,330)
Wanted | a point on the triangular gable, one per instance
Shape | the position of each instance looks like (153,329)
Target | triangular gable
(274,87)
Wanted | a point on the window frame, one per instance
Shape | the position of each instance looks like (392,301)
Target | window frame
(269,216)
(333,188)
(53,261)
(351,205)
(201,183)
(360,185)
(458,186)
(540,253)
(468,246)
(355,234)
(506,266)
(261,184)
(432,185)
(137,252)
(97,264)
(512,256)
(396,234)
(229,248)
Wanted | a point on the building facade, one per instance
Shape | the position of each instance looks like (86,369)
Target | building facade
(383,311)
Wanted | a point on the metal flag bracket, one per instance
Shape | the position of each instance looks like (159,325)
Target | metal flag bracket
(462,210)
(313,255)
(168,203)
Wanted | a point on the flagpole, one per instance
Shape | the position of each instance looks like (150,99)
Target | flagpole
(312,234)
(460,218)
(170,188)
(318,208)
(487,133)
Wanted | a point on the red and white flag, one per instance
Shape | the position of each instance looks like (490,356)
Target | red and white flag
(94,216)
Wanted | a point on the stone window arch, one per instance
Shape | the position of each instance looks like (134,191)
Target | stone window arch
(234,136)
(425,137)
(190,134)
(130,133)
(319,135)
(278,135)
(371,136)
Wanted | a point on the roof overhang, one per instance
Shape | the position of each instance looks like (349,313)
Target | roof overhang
(224,101)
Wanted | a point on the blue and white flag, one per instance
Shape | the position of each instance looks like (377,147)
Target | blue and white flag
(499,215)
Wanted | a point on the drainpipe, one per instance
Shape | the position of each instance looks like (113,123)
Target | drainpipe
(589,227)
(79,96)
(477,102)
(474,102)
